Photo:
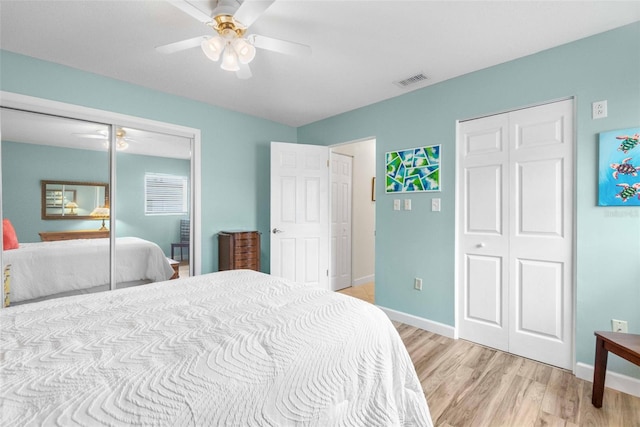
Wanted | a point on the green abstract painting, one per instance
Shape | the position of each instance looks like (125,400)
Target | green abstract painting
(414,169)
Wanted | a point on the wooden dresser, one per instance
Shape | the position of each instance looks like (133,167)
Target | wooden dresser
(50,236)
(239,249)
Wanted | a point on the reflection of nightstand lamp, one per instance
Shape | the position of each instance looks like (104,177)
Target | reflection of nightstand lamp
(100,213)
(72,206)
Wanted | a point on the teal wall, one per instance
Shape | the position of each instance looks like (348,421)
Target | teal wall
(21,198)
(415,243)
(238,203)
(420,243)
(24,165)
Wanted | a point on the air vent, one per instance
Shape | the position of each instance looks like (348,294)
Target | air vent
(410,81)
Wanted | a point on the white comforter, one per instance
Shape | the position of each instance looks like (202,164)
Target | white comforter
(48,268)
(236,348)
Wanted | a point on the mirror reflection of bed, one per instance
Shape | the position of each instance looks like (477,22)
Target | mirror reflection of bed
(62,250)
(53,269)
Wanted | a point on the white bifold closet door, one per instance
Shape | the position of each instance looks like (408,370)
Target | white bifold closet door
(515,198)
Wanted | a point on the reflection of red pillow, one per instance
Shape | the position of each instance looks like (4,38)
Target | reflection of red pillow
(9,237)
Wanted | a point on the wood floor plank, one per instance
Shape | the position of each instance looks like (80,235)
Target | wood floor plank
(468,385)
(521,403)
(448,390)
(563,395)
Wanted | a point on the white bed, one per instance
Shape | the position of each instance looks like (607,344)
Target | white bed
(237,348)
(44,269)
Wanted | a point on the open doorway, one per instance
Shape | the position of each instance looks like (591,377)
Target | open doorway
(353,218)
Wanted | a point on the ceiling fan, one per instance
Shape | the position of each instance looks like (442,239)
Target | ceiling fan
(230,21)
(122,141)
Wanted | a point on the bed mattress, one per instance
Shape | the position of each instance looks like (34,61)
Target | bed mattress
(230,348)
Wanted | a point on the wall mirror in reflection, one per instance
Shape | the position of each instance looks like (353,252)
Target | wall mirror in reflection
(72,199)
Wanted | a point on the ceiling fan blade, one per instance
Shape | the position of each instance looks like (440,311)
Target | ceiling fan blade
(181,45)
(250,10)
(280,46)
(191,10)
(244,72)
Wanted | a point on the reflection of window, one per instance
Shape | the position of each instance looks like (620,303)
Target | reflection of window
(165,194)
(55,198)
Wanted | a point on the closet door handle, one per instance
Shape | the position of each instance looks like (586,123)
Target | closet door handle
(277,230)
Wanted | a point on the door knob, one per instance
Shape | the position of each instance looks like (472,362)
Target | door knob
(481,245)
(277,230)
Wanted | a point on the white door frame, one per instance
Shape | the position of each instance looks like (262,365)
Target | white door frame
(458,292)
(331,149)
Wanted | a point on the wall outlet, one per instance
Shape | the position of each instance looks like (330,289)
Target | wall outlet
(599,110)
(417,284)
(619,326)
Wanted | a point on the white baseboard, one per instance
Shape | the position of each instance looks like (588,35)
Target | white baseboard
(613,380)
(362,280)
(419,322)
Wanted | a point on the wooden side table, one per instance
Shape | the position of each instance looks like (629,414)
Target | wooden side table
(176,268)
(624,345)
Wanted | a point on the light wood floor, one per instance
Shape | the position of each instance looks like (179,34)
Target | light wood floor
(470,385)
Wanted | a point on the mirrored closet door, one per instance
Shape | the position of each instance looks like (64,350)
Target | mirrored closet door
(153,201)
(55,181)
(94,206)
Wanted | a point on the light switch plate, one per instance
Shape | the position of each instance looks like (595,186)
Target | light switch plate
(407,204)
(396,205)
(435,205)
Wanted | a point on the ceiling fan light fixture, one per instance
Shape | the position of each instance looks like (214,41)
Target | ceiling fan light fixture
(245,50)
(230,59)
(121,144)
(213,47)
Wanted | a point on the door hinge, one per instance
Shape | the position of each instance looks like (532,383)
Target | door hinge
(327,273)
(327,162)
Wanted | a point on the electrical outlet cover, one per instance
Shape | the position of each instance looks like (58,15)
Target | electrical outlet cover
(599,110)
(619,326)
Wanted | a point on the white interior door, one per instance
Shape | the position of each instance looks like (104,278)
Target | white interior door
(300,213)
(516,258)
(341,200)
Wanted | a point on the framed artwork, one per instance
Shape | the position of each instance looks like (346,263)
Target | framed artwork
(619,168)
(413,169)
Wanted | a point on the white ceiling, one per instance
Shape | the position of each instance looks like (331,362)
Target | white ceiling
(359,47)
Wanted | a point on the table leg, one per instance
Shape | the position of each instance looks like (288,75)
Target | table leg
(599,372)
